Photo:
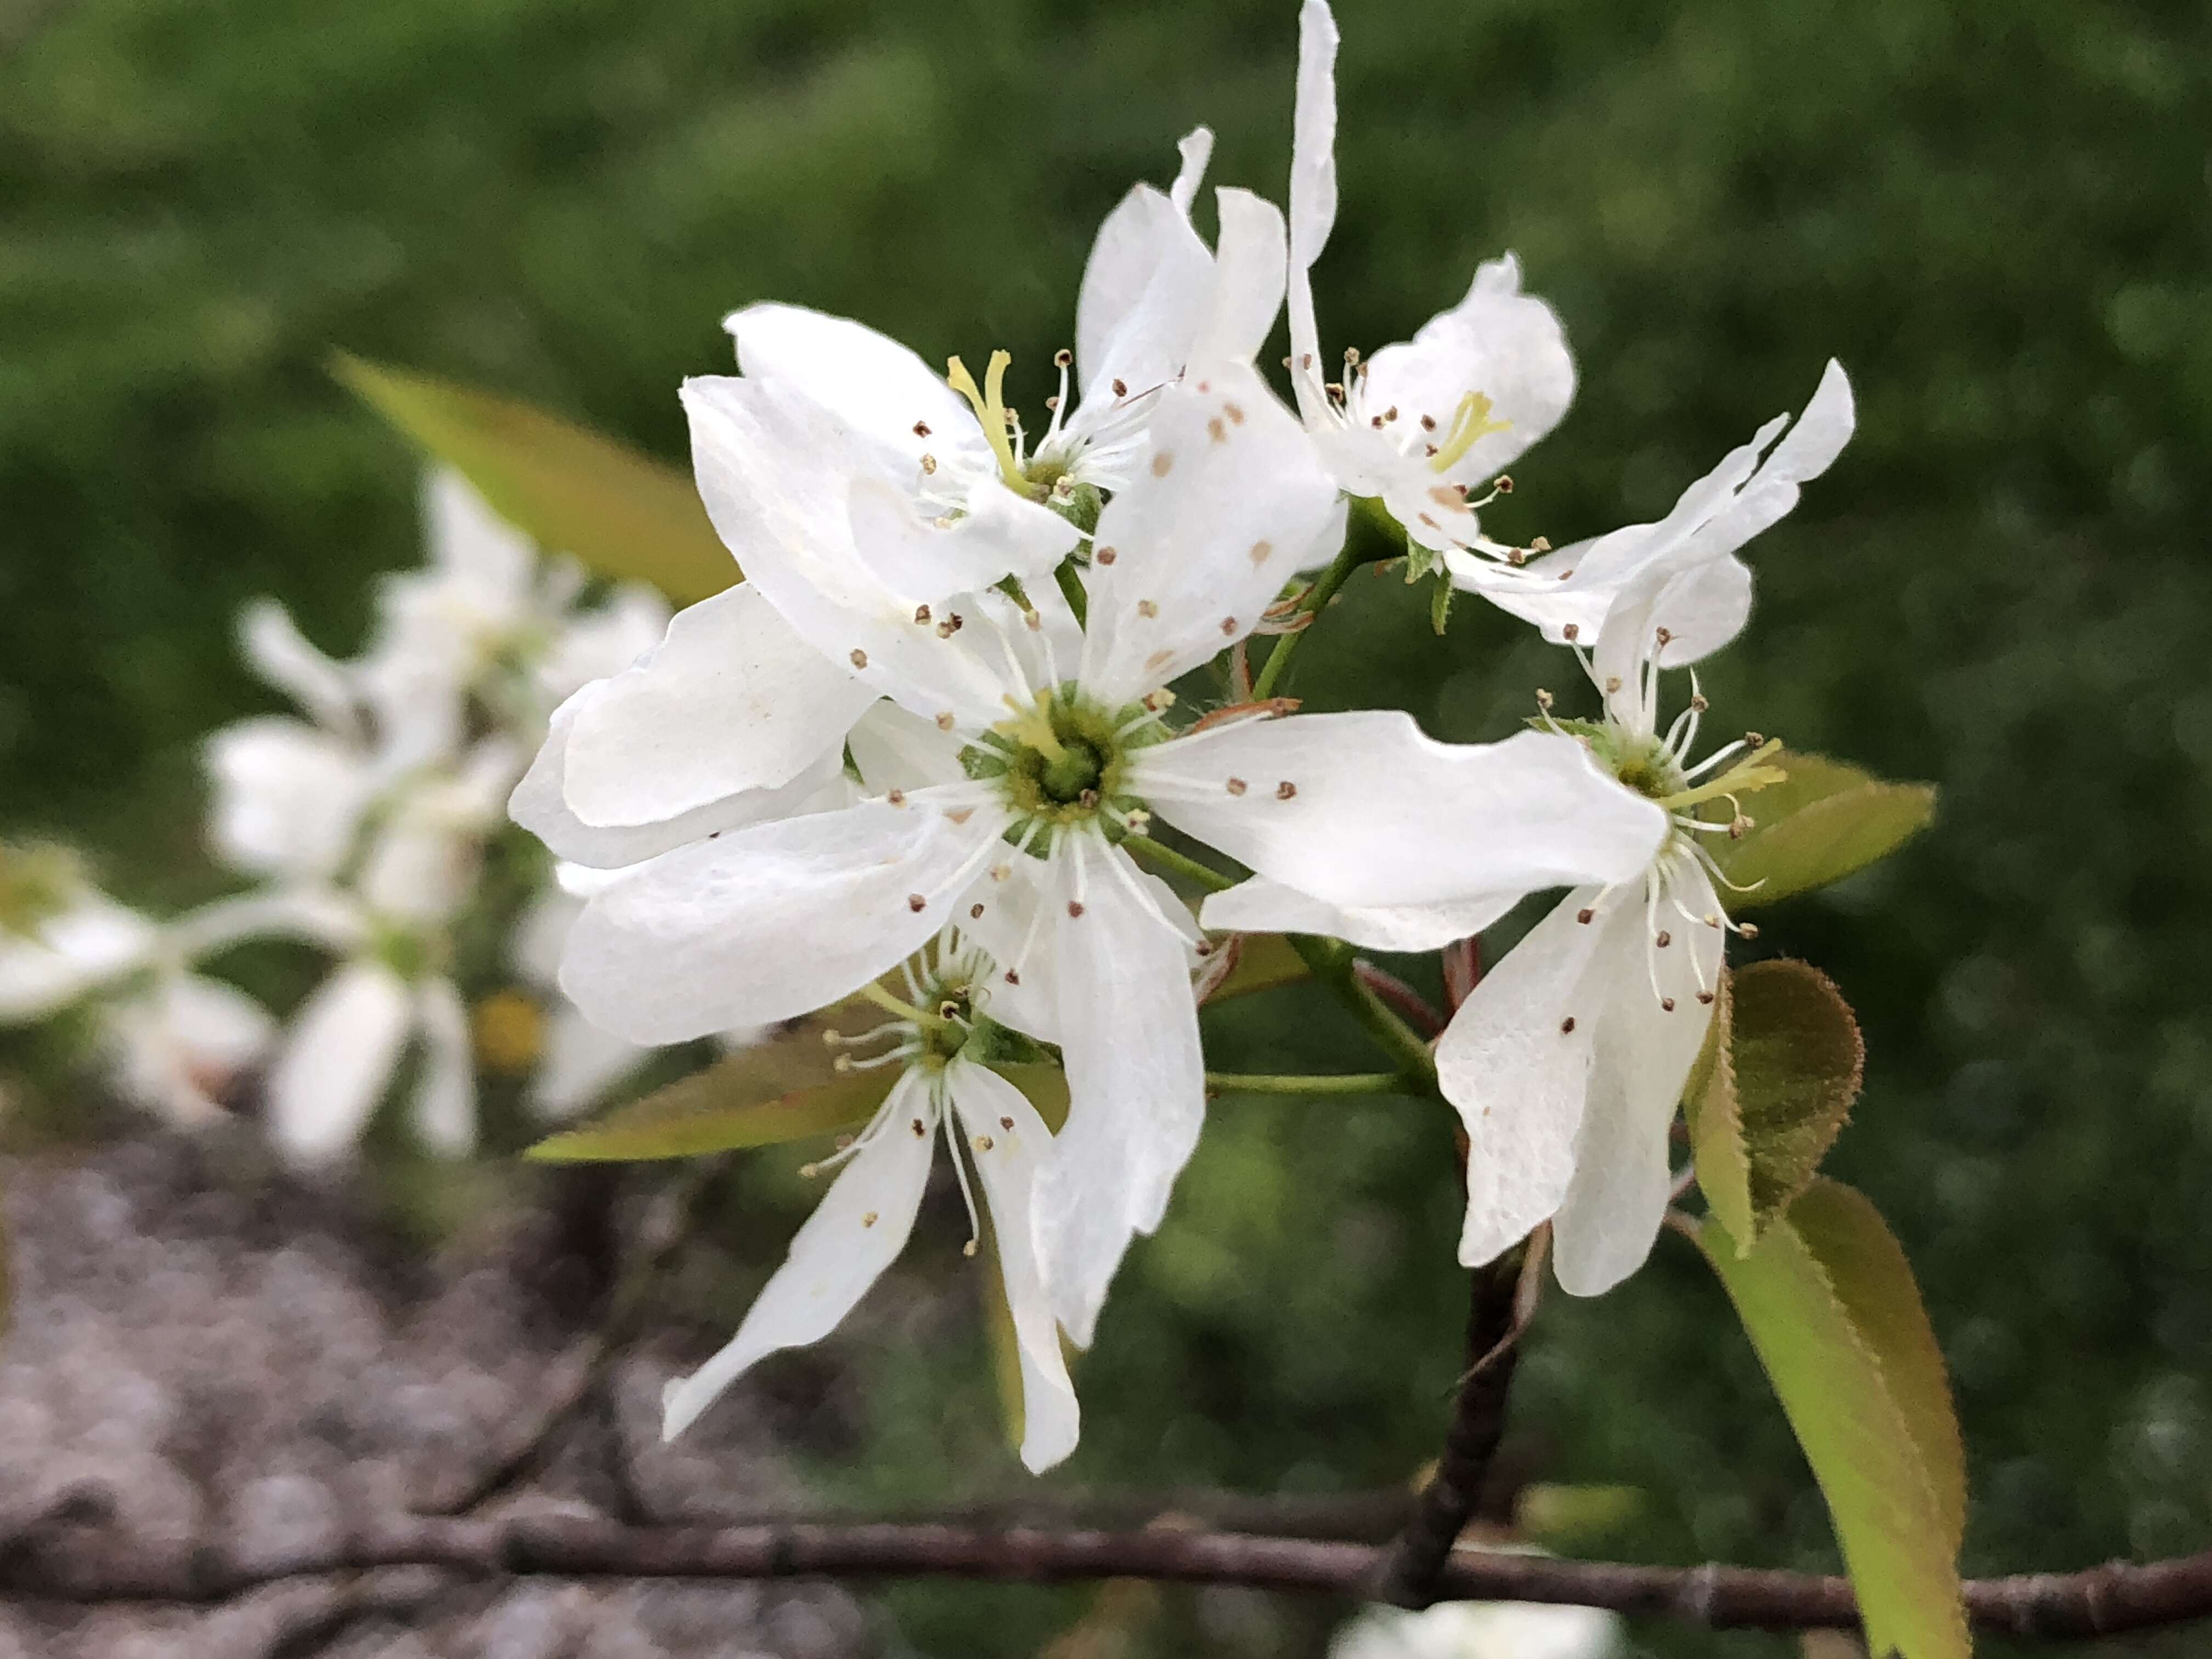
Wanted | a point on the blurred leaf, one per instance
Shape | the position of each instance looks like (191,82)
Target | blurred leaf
(1262,962)
(1566,1518)
(619,511)
(1829,1303)
(1004,1343)
(1771,1092)
(1046,1087)
(1825,822)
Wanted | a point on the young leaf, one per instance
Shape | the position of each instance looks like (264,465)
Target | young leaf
(1830,1305)
(620,512)
(1711,1107)
(1826,821)
(1797,1060)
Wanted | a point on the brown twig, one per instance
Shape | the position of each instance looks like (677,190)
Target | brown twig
(1416,1009)
(2101,1601)
(1410,1573)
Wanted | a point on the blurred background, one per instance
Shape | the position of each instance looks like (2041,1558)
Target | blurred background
(1997,213)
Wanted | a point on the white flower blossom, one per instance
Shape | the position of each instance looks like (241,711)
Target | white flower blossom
(1426,424)
(1569,1058)
(1482,1630)
(940,1041)
(1020,756)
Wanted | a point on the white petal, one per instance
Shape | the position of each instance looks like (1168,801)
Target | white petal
(929,560)
(854,1233)
(1364,809)
(344,1044)
(539,804)
(1507,345)
(288,797)
(495,561)
(1812,444)
(580,1063)
(775,921)
(1520,1078)
(1234,500)
(1010,1143)
(542,932)
(445,1106)
(1011,920)
(1248,284)
(1196,149)
(1137,309)
(896,749)
(175,1049)
(732,700)
(1618,1199)
(1313,192)
(316,915)
(93,941)
(1128,1023)
(1262,906)
(873,387)
(275,650)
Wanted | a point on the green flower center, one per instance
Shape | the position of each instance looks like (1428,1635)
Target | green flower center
(1063,762)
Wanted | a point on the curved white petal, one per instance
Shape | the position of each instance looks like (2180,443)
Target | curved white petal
(854,1233)
(1262,906)
(93,940)
(1613,1206)
(175,1049)
(1234,501)
(540,805)
(580,1064)
(1313,194)
(1009,1142)
(1010,917)
(1519,1072)
(896,749)
(469,542)
(1195,149)
(1364,809)
(340,1053)
(445,1104)
(1248,284)
(1136,311)
(275,649)
(775,921)
(1507,346)
(931,560)
(288,797)
(732,700)
(316,915)
(1128,1024)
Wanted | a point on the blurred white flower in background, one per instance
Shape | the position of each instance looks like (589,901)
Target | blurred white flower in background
(1480,1630)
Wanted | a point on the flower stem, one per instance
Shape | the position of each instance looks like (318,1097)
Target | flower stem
(1371,535)
(1260,1083)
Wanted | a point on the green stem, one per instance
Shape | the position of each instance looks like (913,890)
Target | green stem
(1370,536)
(1071,589)
(1262,1083)
(1168,859)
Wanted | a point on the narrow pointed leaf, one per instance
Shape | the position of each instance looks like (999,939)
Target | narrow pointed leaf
(621,512)
(1825,822)
(1830,1304)
(1004,1342)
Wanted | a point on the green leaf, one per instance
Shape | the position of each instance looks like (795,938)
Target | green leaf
(1263,961)
(1830,1304)
(1771,1091)
(1826,821)
(619,511)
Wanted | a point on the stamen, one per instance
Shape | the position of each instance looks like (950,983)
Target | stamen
(967,1192)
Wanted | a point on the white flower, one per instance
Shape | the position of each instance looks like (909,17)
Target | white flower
(1473,1629)
(1568,1060)
(1425,423)
(1022,755)
(864,1219)
(1568,593)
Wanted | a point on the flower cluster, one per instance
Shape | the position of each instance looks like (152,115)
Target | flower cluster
(364,822)
(934,723)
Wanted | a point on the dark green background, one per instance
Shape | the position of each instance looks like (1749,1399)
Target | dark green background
(1996,212)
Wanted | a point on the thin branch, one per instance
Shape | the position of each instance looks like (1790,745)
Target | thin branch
(1411,1575)
(2103,1600)
(1419,1011)
(1303,1083)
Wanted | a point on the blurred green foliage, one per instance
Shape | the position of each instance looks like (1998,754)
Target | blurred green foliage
(1994,211)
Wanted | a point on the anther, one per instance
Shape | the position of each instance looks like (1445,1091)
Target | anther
(1104,556)
(1087,799)
(1516,557)
(969,1247)
(1503,483)
(1121,388)
(1235,413)
(1335,389)
(1611,684)
(1699,704)
(916,902)
(1705,997)
(1541,544)
(946,722)
(1228,625)
(1746,930)
(859,658)
(1662,635)
(1205,947)
(1377,422)
(984,1143)
(922,429)
(921,613)
(1755,739)
(1666,1005)
(950,626)
(929,465)
(896,797)
(1391,413)
(1147,608)
(1428,423)
(1005,1123)
(975,913)
(843,1063)
(869,1220)
(1013,978)
(1032,621)
(1664,939)
(1545,699)
(1571,632)
(1351,356)
(1062,358)
(915,1126)
(1286,789)
(948,1009)
(1585,916)
(1236,786)
(1075,906)
(1566,1024)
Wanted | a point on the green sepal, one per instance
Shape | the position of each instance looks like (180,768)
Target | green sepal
(618,510)
(718,1110)
(1771,1091)
(1825,820)
(1264,961)
(1829,1303)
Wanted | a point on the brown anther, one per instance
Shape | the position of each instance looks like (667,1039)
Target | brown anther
(1218,429)
(1053,402)
(1428,424)
(1075,906)
(1087,799)
(921,613)
(1545,699)
(1698,702)
(1005,1123)
(1585,915)
(1755,739)
(1737,826)
(1236,786)
(1161,463)
(1503,483)
(1104,556)
(1611,684)
(975,913)
(1377,422)
(1228,625)
(984,1143)
(1515,557)
(869,1220)
(916,902)
(1571,632)
(1235,413)
(915,1124)
(948,1009)
(1121,388)
(1747,930)
(1147,608)
(1205,947)
(922,429)
(1260,552)
(1429,451)
(1286,790)
(1566,1024)
(1662,635)
(946,722)
(929,465)
(950,626)
(1391,413)
(1666,1005)
(1335,389)
(896,797)
(859,658)
(1351,356)
(1063,358)
(1013,978)
(1541,544)
(1705,997)
(1664,939)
